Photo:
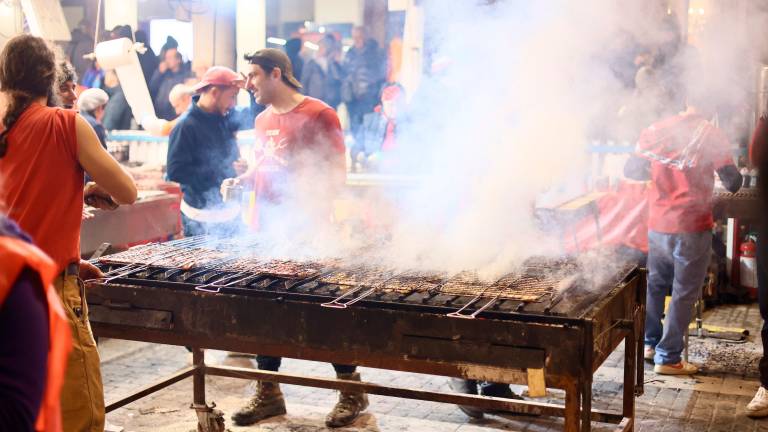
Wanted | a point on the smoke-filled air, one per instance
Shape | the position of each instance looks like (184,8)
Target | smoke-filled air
(513,94)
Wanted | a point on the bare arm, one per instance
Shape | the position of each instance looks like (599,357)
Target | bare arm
(101,166)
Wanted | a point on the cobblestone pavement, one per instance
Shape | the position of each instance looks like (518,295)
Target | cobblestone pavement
(711,401)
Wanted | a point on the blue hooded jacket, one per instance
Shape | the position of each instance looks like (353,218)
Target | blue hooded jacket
(201,150)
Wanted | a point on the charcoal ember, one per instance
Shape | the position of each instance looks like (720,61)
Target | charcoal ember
(390,297)
(440,300)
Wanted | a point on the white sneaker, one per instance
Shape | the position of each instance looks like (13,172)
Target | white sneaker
(649,353)
(758,406)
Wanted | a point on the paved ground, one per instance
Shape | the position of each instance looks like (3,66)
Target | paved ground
(712,401)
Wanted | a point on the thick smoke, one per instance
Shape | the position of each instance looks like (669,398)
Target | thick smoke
(503,125)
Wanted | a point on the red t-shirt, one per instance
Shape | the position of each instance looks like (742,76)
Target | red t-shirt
(41,181)
(684,151)
(309,137)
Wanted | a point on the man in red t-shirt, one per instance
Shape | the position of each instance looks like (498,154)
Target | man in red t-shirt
(680,155)
(299,149)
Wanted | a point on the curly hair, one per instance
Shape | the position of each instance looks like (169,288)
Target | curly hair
(27,72)
(65,73)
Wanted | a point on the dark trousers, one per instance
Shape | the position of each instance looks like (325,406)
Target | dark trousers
(357,109)
(762,300)
(273,364)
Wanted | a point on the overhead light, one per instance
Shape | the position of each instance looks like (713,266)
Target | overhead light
(276,41)
(321,29)
(701,11)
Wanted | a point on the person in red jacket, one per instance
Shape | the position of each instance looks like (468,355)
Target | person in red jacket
(298,140)
(680,155)
(34,336)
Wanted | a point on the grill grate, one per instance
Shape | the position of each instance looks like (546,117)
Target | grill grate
(537,280)
(519,287)
(358,276)
(288,269)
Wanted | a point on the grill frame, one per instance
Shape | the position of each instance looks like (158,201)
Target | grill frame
(500,346)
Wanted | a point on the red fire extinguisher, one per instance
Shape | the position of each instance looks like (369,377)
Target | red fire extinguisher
(748,263)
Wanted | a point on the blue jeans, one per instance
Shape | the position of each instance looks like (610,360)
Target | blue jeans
(678,262)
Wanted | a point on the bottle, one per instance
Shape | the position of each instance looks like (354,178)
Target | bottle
(748,264)
(753,177)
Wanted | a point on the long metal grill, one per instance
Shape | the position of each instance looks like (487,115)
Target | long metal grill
(208,265)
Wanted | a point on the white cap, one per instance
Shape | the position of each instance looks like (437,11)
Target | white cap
(91,99)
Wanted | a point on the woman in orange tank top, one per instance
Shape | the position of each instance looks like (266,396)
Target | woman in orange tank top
(44,153)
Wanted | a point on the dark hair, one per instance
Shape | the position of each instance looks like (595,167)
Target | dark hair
(122,31)
(27,72)
(141,36)
(293,47)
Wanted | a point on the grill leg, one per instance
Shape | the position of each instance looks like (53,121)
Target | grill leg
(209,419)
(572,407)
(586,405)
(630,375)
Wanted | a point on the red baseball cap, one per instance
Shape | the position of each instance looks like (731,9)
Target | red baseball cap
(219,76)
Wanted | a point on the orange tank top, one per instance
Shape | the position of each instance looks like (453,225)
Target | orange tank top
(15,255)
(41,181)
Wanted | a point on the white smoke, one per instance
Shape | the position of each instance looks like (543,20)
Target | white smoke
(508,120)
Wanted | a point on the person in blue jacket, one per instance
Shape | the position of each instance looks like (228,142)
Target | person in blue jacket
(202,152)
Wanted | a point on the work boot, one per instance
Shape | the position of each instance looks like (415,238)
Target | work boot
(349,406)
(500,391)
(268,402)
(467,387)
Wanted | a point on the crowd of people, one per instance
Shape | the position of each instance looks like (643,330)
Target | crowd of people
(355,78)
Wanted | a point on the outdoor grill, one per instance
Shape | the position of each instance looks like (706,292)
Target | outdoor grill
(549,317)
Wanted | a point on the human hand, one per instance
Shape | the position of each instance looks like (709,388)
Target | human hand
(95,196)
(89,271)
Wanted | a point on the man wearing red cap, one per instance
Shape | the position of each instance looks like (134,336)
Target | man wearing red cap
(298,139)
(202,151)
